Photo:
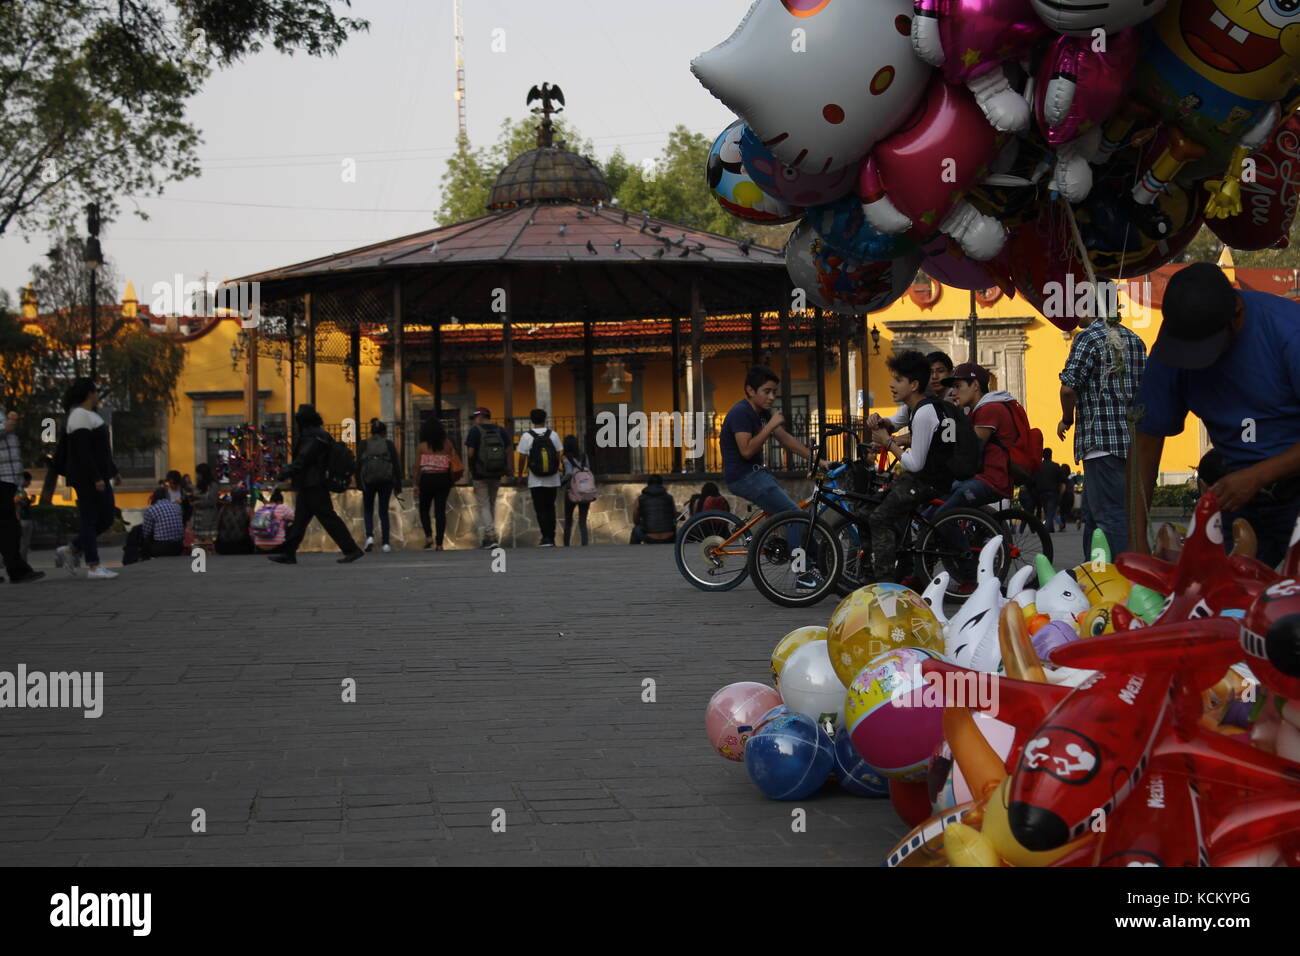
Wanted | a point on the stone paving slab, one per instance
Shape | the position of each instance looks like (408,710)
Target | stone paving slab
(477,694)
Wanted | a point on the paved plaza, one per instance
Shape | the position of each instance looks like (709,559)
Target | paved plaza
(479,696)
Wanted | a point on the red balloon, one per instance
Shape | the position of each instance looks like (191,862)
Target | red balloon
(1268,204)
(911,800)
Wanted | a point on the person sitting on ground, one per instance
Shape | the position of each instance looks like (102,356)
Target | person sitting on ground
(270,523)
(232,525)
(654,516)
(990,414)
(709,499)
(160,532)
(206,502)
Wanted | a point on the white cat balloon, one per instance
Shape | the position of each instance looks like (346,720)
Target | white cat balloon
(819,81)
(1059,595)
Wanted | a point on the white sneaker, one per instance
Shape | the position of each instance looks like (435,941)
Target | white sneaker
(100,572)
(66,558)
(387,548)
(370,543)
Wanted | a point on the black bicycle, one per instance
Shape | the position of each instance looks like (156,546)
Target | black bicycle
(796,559)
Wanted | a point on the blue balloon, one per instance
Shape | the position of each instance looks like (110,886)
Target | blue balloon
(843,226)
(790,758)
(856,775)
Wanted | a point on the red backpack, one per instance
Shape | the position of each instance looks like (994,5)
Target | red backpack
(1026,453)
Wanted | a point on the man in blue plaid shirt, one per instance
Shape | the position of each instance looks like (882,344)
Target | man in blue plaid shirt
(1101,390)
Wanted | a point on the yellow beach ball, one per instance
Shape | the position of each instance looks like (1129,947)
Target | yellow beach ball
(876,619)
(791,643)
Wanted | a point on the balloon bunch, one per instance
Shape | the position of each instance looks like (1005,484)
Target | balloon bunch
(998,142)
(1179,745)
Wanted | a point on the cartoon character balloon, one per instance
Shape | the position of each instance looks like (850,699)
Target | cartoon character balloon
(789,184)
(1270,197)
(819,81)
(835,282)
(735,191)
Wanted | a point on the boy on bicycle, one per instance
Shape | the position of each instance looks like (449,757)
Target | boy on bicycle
(925,462)
(990,414)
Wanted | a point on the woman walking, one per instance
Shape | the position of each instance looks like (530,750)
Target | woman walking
(91,472)
(380,473)
(575,460)
(437,468)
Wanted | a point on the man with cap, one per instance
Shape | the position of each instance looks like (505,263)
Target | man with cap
(488,451)
(1100,392)
(1232,358)
(990,415)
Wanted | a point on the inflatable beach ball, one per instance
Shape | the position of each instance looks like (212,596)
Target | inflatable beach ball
(876,619)
(887,722)
(809,685)
(791,643)
(790,758)
(856,775)
(733,713)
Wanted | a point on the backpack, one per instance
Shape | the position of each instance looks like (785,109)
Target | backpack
(962,457)
(265,524)
(491,460)
(1026,453)
(582,484)
(377,466)
(340,467)
(543,460)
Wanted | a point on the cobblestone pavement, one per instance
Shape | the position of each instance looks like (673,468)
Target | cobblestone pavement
(476,692)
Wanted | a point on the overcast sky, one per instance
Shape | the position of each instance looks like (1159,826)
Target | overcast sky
(277,129)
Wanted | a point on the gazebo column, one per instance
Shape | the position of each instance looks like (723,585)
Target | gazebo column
(697,359)
(819,365)
(437,365)
(311,350)
(755,337)
(675,359)
(507,361)
(588,389)
(787,401)
(354,359)
(541,364)
(399,369)
(846,401)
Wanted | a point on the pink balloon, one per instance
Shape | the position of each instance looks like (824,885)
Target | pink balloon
(978,35)
(1102,79)
(733,714)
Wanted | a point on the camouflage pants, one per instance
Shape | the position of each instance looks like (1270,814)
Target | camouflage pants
(888,517)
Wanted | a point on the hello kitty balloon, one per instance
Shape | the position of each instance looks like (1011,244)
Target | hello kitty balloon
(819,81)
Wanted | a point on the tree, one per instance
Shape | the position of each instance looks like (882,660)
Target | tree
(94,92)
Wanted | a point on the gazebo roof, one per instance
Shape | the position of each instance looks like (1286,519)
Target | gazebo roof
(549,175)
(558,259)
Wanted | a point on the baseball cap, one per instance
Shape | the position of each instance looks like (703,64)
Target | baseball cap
(1198,308)
(966,372)
(481,411)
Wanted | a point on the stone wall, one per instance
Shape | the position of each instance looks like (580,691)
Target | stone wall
(609,519)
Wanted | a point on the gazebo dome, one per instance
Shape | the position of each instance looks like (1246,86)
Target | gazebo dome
(549,174)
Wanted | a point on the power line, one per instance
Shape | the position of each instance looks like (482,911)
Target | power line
(263,205)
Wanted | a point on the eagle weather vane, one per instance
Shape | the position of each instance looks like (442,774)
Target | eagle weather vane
(549,95)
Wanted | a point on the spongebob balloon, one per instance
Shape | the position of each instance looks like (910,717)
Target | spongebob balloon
(1214,72)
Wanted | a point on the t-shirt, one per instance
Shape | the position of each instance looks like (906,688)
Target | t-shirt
(526,445)
(996,472)
(1249,399)
(1047,480)
(743,418)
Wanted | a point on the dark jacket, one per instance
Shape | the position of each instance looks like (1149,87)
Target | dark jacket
(90,457)
(658,510)
(310,458)
(396,483)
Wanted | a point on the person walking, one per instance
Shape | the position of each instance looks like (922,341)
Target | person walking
(487,450)
(1047,490)
(308,472)
(87,463)
(437,469)
(379,470)
(539,456)
(25,520)
(11,531)
(1101,391)
(654,515)
(1066,508)
(270,522)
(575,462)
(1232,358)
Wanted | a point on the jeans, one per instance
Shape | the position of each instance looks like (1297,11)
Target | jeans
(906,493)
(485,494)
(316,503)
(583,507)
(368,493)
(544,505)
(1049,501)
(95,511)
(1104,503)
(1273,523)
(11,534)
(970,493)
(434,490)
(761,488)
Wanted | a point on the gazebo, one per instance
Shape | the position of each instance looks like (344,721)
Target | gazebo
(554,263)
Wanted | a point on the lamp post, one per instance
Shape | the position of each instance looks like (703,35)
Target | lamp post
(93,259)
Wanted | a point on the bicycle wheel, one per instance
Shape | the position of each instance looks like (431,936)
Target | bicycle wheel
(1025,538)
(857,553)
(788,568)
(697,554)
(953,544)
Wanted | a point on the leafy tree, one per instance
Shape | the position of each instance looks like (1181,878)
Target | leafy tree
(94,92)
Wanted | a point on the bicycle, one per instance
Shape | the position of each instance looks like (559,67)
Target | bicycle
(797,558)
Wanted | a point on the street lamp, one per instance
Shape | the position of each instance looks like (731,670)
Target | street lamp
(875,340)
(93,258)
